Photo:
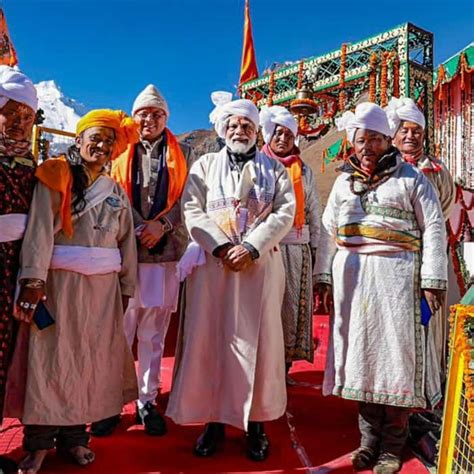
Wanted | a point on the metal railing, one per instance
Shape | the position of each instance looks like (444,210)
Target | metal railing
(48,142)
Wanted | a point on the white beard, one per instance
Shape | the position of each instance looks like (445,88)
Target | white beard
(239,147)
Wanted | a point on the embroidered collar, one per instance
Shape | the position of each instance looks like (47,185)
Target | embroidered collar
(361,182)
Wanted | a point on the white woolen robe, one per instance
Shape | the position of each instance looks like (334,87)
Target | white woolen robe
(379,250)
(230,363)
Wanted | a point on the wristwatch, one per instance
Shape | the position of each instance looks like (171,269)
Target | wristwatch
(166,224)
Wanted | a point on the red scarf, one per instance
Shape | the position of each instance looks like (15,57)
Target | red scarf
(413,159)
(294,166)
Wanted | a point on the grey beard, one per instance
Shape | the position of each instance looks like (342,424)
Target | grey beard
(239,147)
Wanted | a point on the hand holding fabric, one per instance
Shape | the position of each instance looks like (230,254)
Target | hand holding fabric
(27,302)
(238,258)
(151,234)
(434,298)
(222,250)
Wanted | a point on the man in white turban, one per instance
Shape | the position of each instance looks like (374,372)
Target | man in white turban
(298,247)
(408,127)
(237,205)
(382,247)
(18,104)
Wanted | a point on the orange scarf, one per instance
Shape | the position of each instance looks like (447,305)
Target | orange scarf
(55,173)
(177,169)
(294,166)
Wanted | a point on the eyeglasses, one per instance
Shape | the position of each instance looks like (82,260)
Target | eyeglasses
(152,115)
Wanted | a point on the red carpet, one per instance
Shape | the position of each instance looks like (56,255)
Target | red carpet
(316,435)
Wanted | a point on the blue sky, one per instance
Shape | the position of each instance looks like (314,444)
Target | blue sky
(103,52)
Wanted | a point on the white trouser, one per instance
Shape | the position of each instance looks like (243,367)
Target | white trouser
(151,326)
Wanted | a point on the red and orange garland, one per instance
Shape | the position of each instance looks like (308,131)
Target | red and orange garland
(305,129)
(440,80)
(456,236)
(342,77)
(463,68)
(383,79)
(396,76)
(373,78)
(300,75)
(271,89)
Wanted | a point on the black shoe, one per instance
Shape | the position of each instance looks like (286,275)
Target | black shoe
(155,424)
(105,427)
(206,445)
(7,465)
(257,442)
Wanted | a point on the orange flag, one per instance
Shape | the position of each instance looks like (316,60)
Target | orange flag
(7,51)
(248,69)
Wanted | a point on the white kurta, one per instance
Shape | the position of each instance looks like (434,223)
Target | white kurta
(230,363)
(378,251)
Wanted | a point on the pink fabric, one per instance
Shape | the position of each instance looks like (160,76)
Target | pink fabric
(286,161)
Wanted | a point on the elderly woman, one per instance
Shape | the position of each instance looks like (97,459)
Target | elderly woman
(299,245)
(77,273)
(18,103)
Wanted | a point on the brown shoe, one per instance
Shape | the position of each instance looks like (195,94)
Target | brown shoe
(387,463)
(363,457)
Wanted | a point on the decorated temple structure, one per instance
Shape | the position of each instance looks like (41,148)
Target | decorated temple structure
(453,115)
(396,63)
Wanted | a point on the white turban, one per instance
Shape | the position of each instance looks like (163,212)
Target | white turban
(226,108)
(368,116)
(270,117)
(402,109)
(14,85)
(150,97)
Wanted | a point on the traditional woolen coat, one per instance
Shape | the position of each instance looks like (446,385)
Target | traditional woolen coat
(230,359)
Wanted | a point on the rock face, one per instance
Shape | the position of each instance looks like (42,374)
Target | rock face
(312,154)
(202,141)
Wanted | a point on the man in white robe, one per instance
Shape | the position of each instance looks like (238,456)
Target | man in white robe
(408,127)
(237,205)
(382,247)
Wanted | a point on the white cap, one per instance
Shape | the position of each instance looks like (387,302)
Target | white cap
(368,116)
(275,115)
(14,85)
(226,108)
(402,109)
(150,97)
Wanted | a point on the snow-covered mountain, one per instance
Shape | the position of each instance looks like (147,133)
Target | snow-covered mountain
(60,112)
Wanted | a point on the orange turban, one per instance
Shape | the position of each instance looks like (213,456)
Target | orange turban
(126,130)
